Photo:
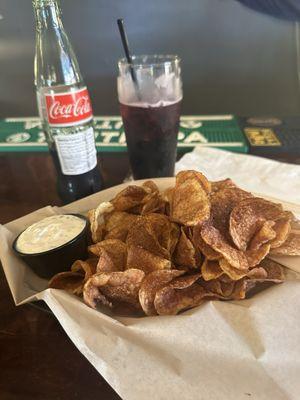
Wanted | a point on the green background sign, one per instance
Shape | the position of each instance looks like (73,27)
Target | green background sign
(26,135)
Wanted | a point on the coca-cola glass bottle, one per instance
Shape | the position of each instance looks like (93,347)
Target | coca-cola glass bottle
(64,106)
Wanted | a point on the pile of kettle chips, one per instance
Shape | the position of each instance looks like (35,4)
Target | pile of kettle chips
(159,253)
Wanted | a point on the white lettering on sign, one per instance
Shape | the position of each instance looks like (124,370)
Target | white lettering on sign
(20,137)
(195,137)
(118,124)
(108,135)
(104,125)
(122,138)
(41,137)
(181,135)
(190,124)
(32,124)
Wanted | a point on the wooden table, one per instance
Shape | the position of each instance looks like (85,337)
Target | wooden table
(37,359)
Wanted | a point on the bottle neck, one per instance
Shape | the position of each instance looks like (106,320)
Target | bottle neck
(55,61)
(47,14)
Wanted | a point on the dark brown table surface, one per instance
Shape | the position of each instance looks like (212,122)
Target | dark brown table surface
(37,359)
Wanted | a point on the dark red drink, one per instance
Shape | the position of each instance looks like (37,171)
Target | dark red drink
(151,135)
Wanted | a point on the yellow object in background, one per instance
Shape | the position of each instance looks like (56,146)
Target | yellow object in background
(262,137)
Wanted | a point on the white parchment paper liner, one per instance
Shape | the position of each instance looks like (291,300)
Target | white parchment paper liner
(233,350)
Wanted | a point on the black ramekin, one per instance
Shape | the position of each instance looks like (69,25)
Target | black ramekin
(50,262)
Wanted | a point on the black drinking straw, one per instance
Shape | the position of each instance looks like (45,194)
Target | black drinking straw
(127,53)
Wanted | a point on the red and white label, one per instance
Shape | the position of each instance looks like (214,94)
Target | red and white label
(71,108)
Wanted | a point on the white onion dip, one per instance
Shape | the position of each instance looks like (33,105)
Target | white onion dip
(49,233)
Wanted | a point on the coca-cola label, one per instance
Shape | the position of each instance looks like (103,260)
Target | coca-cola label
(66,109)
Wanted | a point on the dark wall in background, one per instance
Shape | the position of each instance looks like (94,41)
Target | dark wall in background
(234,60)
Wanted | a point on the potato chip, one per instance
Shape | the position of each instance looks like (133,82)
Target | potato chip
(213,286)
(233,273)
(268,271)
(257,273)
(190,201)
(182,176)
(95,249)
(96,218)
(295,224)
(291,246)
(117,233)
(111,288)
(273,269)
(282,229)
(185,253)
(70,281)
(265,272)
(228,287)
(120,232)
(236,274)
(112,255)
(117,225)
(210,269)
(151,284)
(88,267)
(145,233)
(161,226)
(217,241)
(185,281)
(153,203)
(189,232)
(91,293)
(254,257)
(139,258)
(234,290)
(220,185)
(264,235)
(150,187)
(169,301)
(222,203)
(97,230)
(181,294)
(128,198)
(203,247)
(225,278)
(241,288)
(248,216)
(119,219)
(110,245)
(167,196)
(173,238)
(220,288)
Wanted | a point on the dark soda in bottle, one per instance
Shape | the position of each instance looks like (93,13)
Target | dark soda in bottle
(64,106)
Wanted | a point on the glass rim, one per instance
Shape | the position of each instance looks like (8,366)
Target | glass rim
(156,60)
